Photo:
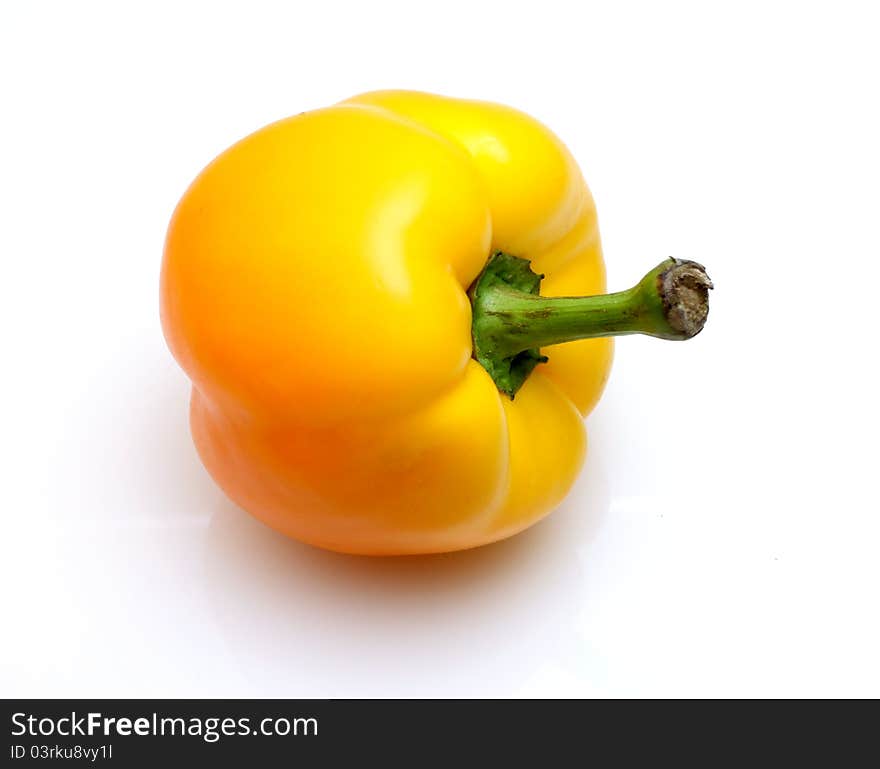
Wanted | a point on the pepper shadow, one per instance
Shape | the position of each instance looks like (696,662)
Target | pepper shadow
(302,622)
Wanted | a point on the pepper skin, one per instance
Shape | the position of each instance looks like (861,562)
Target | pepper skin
(314,288)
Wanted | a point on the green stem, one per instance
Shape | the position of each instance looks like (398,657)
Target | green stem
(511,321)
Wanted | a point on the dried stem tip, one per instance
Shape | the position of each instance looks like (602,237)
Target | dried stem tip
(684,288)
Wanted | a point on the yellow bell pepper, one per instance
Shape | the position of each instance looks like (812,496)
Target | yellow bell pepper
(348,390)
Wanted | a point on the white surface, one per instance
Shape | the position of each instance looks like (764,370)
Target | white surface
(723,539)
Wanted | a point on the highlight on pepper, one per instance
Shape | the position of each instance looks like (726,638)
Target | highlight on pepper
(394,317)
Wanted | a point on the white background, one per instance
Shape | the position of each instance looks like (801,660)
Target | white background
(723,539)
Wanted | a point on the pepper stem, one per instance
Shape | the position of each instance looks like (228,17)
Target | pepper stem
(512,321)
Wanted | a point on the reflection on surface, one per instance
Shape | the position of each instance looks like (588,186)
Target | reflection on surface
(304,622)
